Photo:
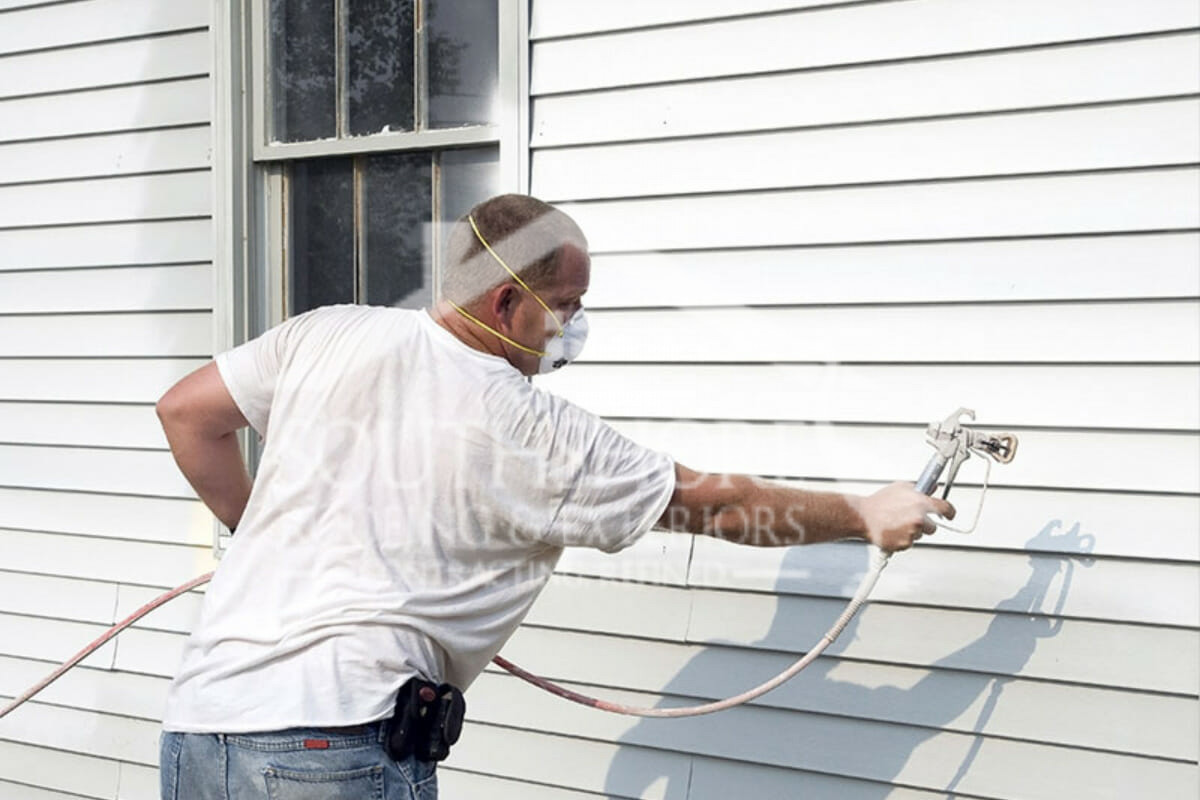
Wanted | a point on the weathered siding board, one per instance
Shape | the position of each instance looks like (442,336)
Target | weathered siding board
(855,33)
(951,576)
(575,17)
(1118,397)
(74,23)
(1085,652)
(1085,139)
(142,197)
(645,618)
(123,108)
(80,425)
(85,776)
(7,5)
(47,596)
(183,288)
(1093,524)
(576,763)
(1151,332)
(52,640)
(150,652)
(177,616)
(164,57)
(26,792)
(807,229)
(1154,462)
(154,334)
(1120,332)
(1110,589)
(92,380)
(123,693)
(139,782)
(714,779)
(1144,265)
(644,611)
(1074,651)
(1044,205)
(103,559)
(812,741)
(106,294)
(107,736)
(107,470)
(1066,715)
(107,245)
(170,150)
(453,782)
(152,519)
(1053,77)
(824,744)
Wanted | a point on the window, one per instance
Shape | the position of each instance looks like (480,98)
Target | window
(373,123)
(348,134)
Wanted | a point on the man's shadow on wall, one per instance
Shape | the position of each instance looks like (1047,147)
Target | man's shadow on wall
(945,693)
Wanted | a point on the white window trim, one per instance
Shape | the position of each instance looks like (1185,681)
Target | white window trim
(247,170)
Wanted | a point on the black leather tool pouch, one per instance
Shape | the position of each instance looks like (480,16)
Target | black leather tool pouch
(427,720)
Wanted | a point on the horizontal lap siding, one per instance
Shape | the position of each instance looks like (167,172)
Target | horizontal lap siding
(811,236)
(105,301)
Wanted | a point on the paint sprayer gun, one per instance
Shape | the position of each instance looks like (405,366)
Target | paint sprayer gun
(954,443)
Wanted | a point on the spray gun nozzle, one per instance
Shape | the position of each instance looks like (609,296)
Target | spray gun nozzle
(954,443)
(1000,446)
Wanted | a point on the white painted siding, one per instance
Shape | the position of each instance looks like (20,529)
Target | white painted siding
(817,227)
(105,300)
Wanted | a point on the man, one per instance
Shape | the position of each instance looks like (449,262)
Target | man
(414,494)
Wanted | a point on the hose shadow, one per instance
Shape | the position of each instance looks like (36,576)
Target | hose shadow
(850,713)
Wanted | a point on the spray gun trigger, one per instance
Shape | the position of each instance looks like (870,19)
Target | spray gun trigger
(961,454)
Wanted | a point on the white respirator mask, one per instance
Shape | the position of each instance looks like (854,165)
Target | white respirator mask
(566,345)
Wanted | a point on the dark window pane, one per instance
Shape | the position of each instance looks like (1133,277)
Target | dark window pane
(398,209)
(321,233)
(379,44)
(468,177)
(302,69)
(463,62)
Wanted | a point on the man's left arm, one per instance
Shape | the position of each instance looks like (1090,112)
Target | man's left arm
(201,421)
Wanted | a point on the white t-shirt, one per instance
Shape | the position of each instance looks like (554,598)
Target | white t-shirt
(413,498)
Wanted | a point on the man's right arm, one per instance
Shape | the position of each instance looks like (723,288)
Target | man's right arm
(201,420)
(746,510)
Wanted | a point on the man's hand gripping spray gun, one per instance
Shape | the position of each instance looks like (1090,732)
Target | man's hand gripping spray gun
(954,443)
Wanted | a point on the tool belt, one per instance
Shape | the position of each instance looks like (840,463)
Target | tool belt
(427,721)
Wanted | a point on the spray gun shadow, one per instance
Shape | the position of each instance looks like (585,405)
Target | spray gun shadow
(949,688)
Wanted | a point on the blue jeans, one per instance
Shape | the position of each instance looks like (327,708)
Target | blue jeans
(298,764)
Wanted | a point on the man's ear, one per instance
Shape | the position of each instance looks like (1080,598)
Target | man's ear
(504,301)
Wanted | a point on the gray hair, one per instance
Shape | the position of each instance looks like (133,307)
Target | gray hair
(525,232)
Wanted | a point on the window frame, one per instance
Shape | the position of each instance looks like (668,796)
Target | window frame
(249,171)
(265,150)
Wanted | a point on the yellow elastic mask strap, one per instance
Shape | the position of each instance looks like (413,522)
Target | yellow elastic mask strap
(490,329)
(517,278)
